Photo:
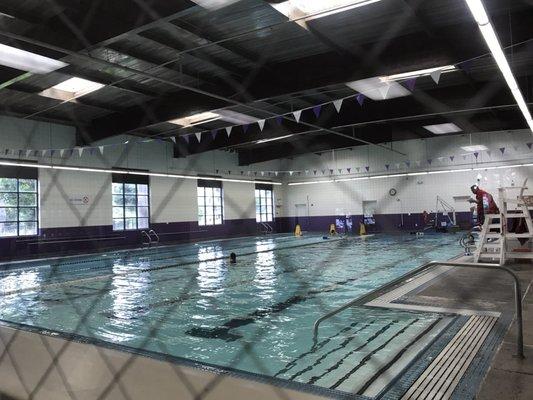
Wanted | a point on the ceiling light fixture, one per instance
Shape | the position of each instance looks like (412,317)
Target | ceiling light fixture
(417,74)
(441,129)
(480,15)
(196,119)
(273,139)
(71,89)
(476,147)
(27,61)
(235,117)
(376,89)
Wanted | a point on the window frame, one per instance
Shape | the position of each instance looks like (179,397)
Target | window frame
(207,184)
(123,181)
(259,199)
(18,176)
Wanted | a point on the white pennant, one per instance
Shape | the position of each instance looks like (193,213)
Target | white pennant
(198,136)
(101,149)
(80,151)
(61,152)
(173,138)
(435,75)
(261,124)
(384,90)
(338,104)
(28,152)
(228,130)
(43,152)
(297,115)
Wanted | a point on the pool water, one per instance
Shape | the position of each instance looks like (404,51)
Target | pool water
(255,315)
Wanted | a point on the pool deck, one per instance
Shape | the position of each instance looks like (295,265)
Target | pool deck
(44,365)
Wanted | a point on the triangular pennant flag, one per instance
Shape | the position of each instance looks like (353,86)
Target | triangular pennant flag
(397,165)
(80,151)
(337,104)
(20,153)
(451,158)
(279,120)
(330,171)
(340,170)
(529,145)
(408,163)
(387,166)
(245,127)
(367,168)
(489,153)
(229,172)
(435,75)
(314,171)
(502,149)
(242,172)
(360,99)
(276,173)
(198,136)
(297,115)
(186,138)
(464,157)
(515,148)
(430,161)
(476,154)
(216,171)
(417,163)
(384,91)
(91,151)
(357,169)
(323,171)
(228,130)
(466,66)
(299,173)
(173,138)
(28,152)
(255,173)
(316,110)
(214,134)
(101,148)
(348,169)
(290,173)
(261,124)
(262,173)
(61,152)
(410,84)
(307,172)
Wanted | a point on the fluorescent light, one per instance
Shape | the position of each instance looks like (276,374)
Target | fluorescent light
(196,119)
(480,15)
(312,9)
(376,89)
(476,147)
(127,172)
(441,129)
(272,139)
(416,74)
(26,61)
(71,89)
(235,117)
(214,4)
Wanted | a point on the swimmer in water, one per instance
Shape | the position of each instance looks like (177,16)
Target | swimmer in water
(233,258)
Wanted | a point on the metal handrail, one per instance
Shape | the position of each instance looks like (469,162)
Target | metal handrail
(149,243)
(368,296)
(152,232)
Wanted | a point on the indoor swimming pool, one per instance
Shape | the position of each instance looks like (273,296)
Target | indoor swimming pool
(255,316)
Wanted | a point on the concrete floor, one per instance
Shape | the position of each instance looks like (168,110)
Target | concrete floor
(508,377)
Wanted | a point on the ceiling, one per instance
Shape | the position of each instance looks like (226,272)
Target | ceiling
(161,60)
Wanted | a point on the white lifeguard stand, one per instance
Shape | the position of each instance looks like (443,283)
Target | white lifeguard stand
(495,239)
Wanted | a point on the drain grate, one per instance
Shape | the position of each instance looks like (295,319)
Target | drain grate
(440,379)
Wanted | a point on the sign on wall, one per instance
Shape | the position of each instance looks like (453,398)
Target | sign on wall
(79,200)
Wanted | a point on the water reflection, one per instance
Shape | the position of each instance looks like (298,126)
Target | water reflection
(212,271)
(265,277)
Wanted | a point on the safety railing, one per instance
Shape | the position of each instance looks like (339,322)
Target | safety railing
(151,233)
(267,228)
(375,293)
(148,237)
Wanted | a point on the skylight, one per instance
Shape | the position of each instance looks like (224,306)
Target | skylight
(311,9)
(196,119)
(71,89)
(477,147)
(441,129)
(26,61)
(376,89)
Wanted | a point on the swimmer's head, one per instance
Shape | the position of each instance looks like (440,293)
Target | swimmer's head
(233,258)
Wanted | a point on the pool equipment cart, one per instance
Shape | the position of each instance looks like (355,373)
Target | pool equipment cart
(444,208)
(402,279)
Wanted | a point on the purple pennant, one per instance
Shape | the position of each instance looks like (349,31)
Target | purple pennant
(451,158)
(242,172)
(367,168)
(330,171)
(466,66)
(357,169)
(279,119)
(476,154)
(387,166)
(299,173)
(408,163)
(20,153)
(323,171)
(410,84)
(529,145)
(245,127)
(255,173)
(489,153)
(348,169)
(216,171)
(314,171)
(316,110)
(214,133)
(360,99)
(340,171)
(229,172)
(186,138)
(502,149)
(430,161)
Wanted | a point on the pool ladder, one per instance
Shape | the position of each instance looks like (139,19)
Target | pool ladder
(151,238)
(267,228)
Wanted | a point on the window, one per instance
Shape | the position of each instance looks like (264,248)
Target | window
(131,203)
(210,205)
(264,203)
(19,214)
